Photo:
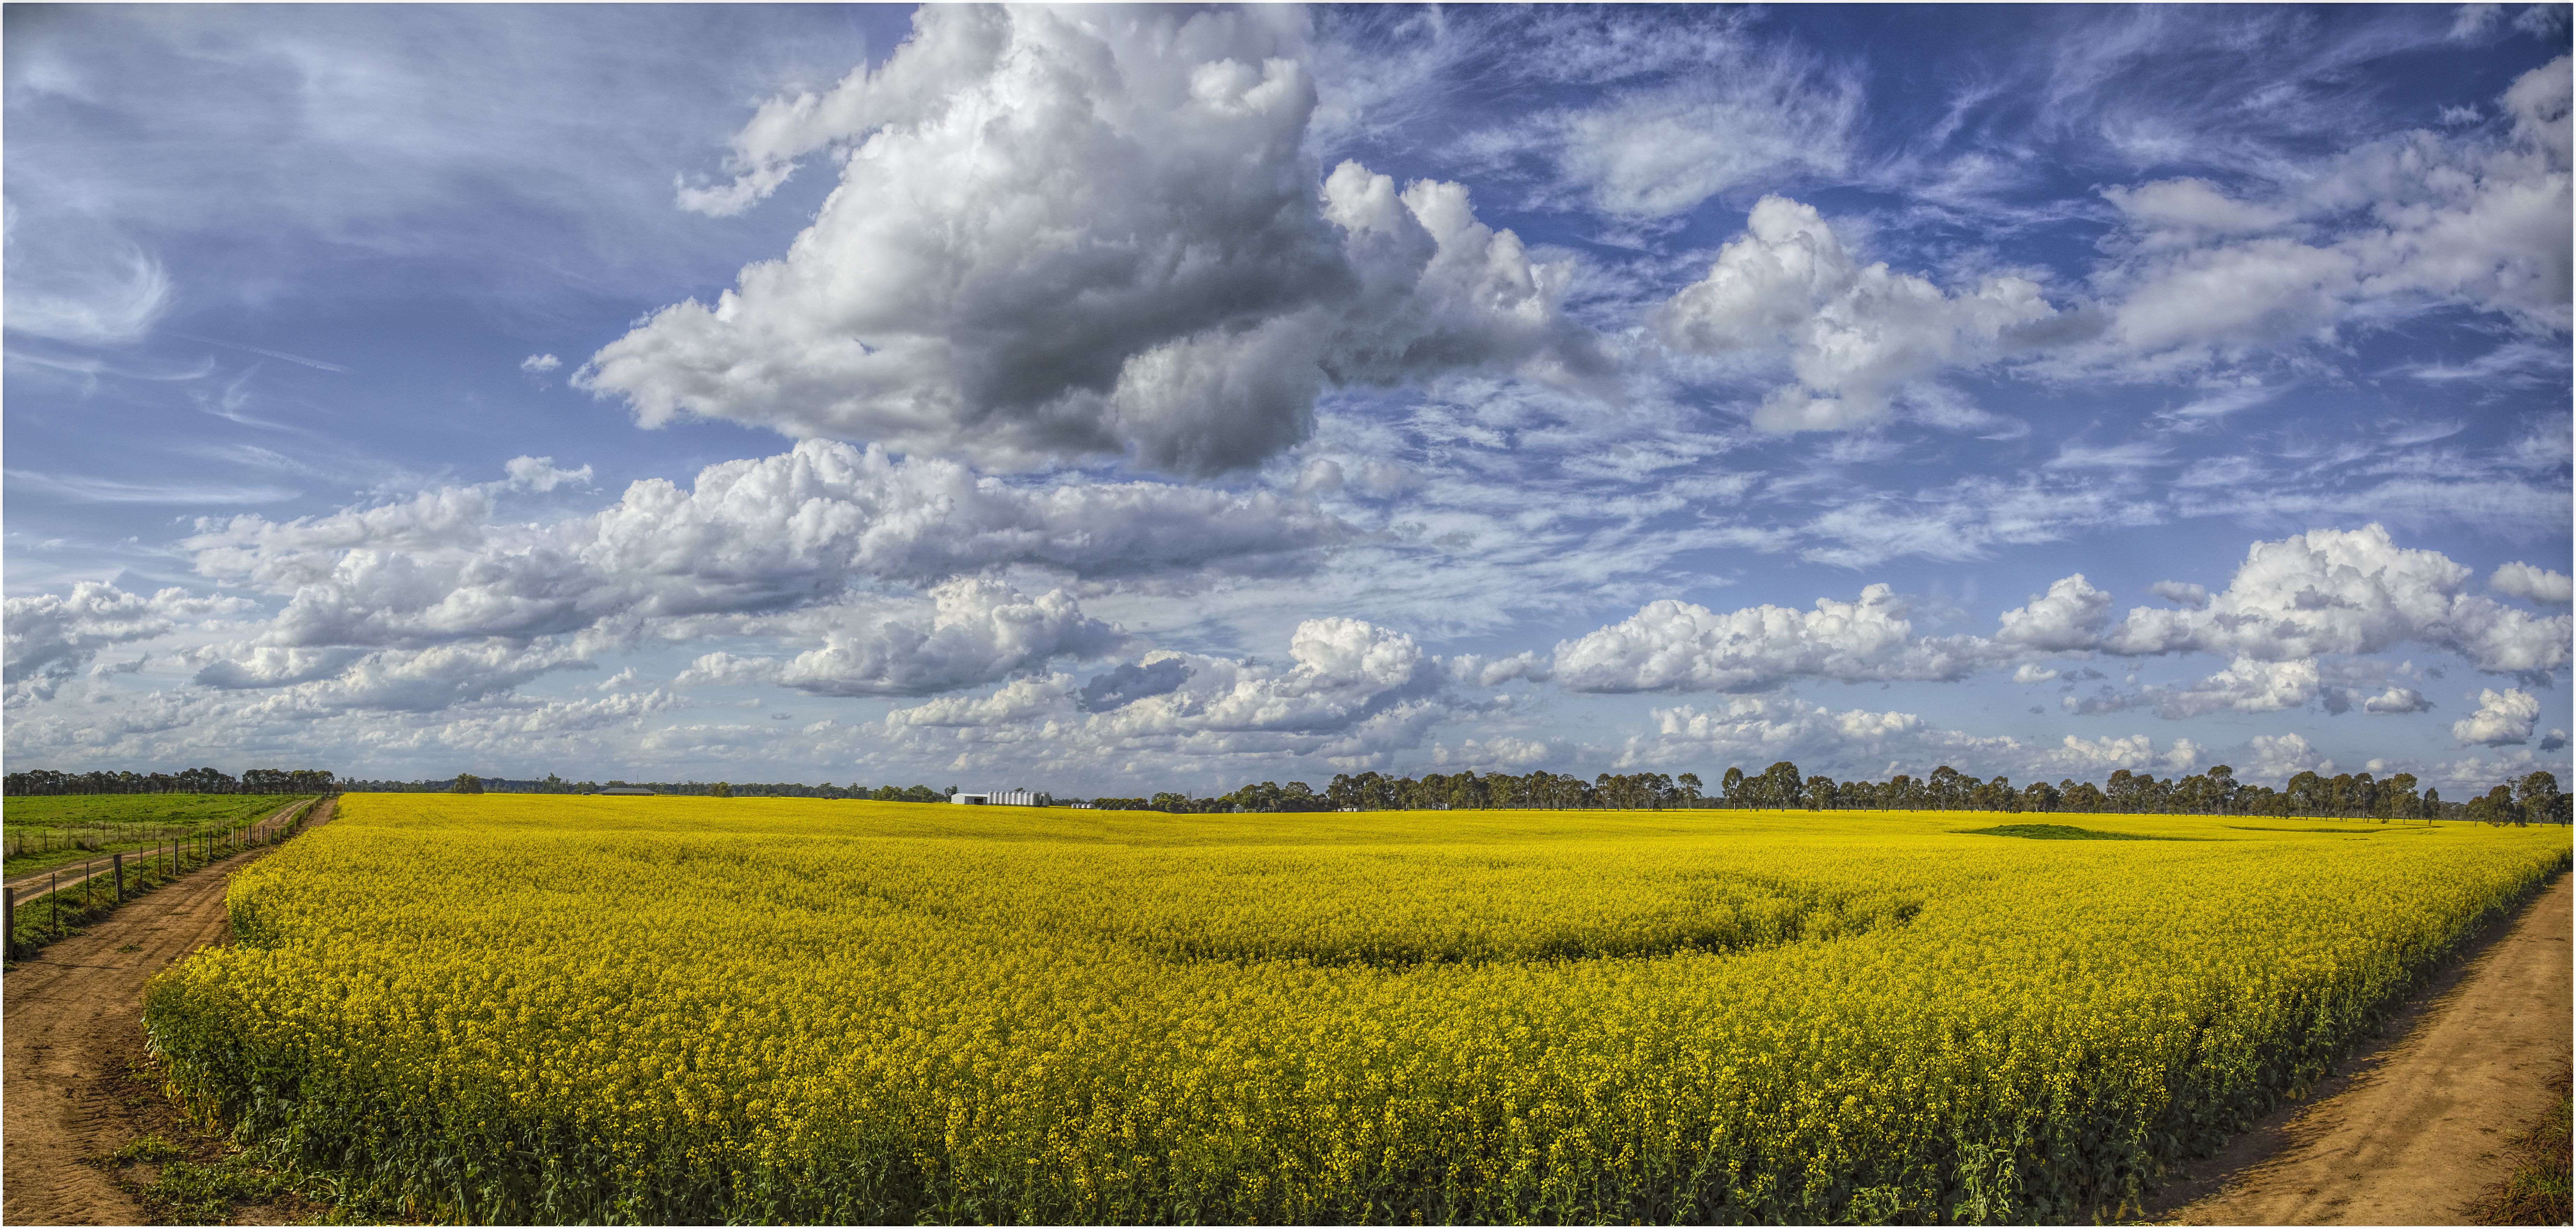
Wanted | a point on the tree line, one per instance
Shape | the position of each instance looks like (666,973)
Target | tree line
(188,781)
(469,783)
(2535,798)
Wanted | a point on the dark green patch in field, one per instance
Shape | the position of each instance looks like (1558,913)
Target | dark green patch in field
(2060,832)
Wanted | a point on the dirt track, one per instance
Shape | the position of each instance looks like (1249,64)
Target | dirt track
(73,1013)
(2413,1130)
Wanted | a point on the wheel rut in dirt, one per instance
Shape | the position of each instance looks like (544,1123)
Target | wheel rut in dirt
(72,1017)
(2412,1130)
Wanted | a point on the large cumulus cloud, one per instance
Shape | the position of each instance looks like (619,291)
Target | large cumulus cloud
(2293,623)
(2344,592)
(2504,718)
(1753,731)
(1350,694)
(1681,646)
(443,599)
(765,534)
(978,632)
(49,637)
(1087,232)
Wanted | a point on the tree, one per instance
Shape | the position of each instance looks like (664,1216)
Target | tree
(1781,784)
(2495,808)
(2540,800)
(2397,798)
(466,783)
(721,789)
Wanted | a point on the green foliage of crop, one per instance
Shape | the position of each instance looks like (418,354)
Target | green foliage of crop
(532,1008)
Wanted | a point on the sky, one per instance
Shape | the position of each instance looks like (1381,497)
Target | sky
(1107,401)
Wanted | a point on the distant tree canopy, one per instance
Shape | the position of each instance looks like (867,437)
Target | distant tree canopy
(553,784)
(190,781)
(2535,799)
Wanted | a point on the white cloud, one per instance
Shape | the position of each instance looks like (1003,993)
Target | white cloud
(1086,232)
(2071,615)
(2294,604)
(2413,222)
(2503,718)
(2539,586)
(979,632)
(1765,728)
(49,638)
(2246,686)
(2274,758)
(2185,211)
(540,474)
(2333,591)
(1854,334)
(767,534)
(82,284)
(2180,593)
(2395,701)
(404,680)
(539,364)
(2096,757)
(1017,701)
(1351,694)
(1657,152)
(2474,20)
(1672,645)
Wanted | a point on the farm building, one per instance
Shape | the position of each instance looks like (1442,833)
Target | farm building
(996,798)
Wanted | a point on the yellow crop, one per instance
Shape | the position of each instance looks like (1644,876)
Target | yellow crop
(523,1008)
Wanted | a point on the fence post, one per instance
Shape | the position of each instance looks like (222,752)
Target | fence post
(8,923)
(116,863)
(54,888)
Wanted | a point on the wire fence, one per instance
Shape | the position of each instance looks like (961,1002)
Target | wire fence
(39,909)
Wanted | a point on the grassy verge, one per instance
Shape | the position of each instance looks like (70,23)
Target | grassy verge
(43,920)
(49,831)
(2537,1191)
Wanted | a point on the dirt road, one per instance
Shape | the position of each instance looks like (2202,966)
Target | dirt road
(2413,1131)
(73,1013)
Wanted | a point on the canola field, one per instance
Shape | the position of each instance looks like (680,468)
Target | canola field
(517,1008)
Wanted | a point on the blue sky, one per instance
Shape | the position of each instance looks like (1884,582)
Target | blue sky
(1105,400)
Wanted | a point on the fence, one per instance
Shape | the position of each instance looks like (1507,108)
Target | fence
(23,841)
(40,909)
